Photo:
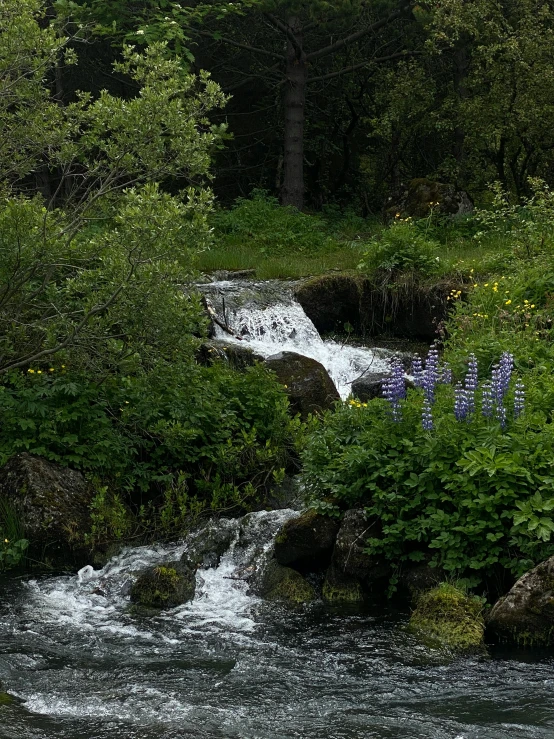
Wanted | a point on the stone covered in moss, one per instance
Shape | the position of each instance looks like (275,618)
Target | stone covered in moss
(306,542)
(165,586)
(283,583)
(339,588)
(450,617)
(525,616)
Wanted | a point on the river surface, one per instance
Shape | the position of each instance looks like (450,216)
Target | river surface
(79,665)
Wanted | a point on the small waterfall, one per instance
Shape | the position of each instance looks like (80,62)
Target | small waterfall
(267,316)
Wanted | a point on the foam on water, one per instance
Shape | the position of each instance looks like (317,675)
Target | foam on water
(286,327)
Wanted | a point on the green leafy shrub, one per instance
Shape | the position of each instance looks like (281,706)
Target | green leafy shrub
(466,497)
(401,249)
(274,229)
(13,543)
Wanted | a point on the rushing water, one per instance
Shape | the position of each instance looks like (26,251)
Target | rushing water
(229,666)
(266,316)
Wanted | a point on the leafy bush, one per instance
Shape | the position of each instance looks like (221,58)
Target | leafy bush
(13,543)
(465,496)
(273,228)
(401,249)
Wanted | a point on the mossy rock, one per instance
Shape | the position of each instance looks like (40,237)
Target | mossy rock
(341,589)
(165,586)
(283,584)
(448,616)
(525,616)
(306,542)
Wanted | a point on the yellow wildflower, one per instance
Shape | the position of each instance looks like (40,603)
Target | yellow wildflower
(508,302)
(31,371)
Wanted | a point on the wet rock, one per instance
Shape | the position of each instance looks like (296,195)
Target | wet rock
(164,586)
(52,503)
(417,580)
(330,302)
(238,356)
(340,588)
(306,542)
(208,543)
(309,387)
(422,194)
(525,615)
(369,386)
(277,582)
(449,617)
(349,558)
(233,274)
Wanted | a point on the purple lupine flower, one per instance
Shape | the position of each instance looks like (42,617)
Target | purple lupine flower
(505,367)
(445,374)
(417,371)
(470,383)
(519,399)
(394,388)
(461,407)
(486,402)
(427,416)
(431,375)
(500,414)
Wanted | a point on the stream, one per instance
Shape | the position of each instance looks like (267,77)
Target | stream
(76,662)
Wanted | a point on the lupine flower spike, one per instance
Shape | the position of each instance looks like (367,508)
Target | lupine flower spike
(519,399)
(394,388)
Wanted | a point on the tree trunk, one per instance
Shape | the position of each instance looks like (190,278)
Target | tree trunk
(292,192)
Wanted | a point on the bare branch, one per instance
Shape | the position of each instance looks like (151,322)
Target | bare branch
(246,47)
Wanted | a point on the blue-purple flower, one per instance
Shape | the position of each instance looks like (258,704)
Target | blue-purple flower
(394,388)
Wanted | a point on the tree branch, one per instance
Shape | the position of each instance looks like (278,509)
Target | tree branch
(287,30)
(361,65)
(341,43)
(239,45)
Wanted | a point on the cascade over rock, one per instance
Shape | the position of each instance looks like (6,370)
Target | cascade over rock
(309,387)
(52,503)
(526,614)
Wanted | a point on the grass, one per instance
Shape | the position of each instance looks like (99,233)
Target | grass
(230,255)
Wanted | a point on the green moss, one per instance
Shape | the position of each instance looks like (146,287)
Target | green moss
(292,588)
(163,587)
(450,617)
(347,592)
(6,699)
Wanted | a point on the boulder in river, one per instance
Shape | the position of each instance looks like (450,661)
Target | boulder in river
(277,582)
(52,503)
(451,618)
(207,544)
(423,195)
(167,585)
(340,588)
(308,385)
(331,302)
(525,615)
(306,542)
(369,386)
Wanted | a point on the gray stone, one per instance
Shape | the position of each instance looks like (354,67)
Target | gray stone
(238,356)
(369,386)
(52,502)
(526,614)
(276,582)
(306,542)
(308,385)
(208,543)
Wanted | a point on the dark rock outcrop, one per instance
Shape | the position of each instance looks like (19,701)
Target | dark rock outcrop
(352,572)
(451,618)
(277,582)
(306,542)
(309,387)
(52,503)
(412,310)
(369,386)
(164,586)
(526,614)
(422,194)
(331,302)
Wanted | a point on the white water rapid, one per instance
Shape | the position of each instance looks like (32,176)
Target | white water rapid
(270,320)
